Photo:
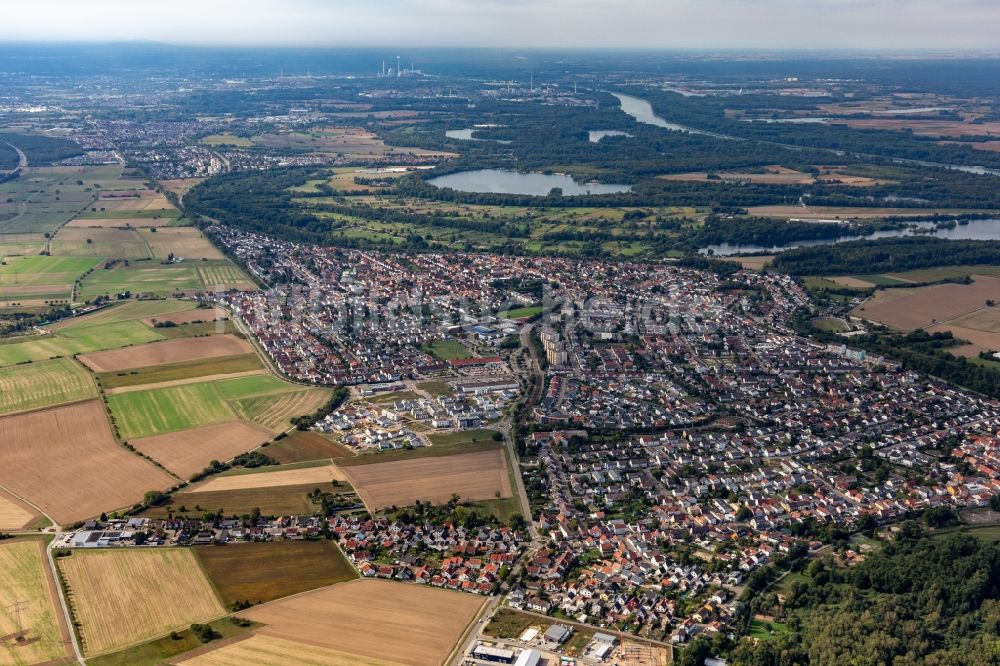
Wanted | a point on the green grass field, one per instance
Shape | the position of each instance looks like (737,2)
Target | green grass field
(36,385)
(76,340)
(145,413)
(261,572)
(447,350)
(878,279)
(303,446)
(763,630)
(185,370)
(276,501)
(142,277)
(42,270)
(163,410)
(519,313)
(226,140)
(159,650)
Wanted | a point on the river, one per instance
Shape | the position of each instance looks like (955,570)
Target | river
(974,230)
(643,112)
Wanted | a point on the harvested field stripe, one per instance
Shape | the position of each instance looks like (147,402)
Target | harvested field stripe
(125,596)
(261,650)
(291,477)
(183,382)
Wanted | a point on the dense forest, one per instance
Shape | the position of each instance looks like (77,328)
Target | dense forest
(708,113)
(885,255)
(917,600)
(8,157)
(42,150)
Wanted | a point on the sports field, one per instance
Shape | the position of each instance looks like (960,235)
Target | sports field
(65,460)
(263,571)
(377,619)
(128,595)
(473,476)
(26,580)
(44,384)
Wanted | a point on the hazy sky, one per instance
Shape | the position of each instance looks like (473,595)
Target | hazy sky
(769,24)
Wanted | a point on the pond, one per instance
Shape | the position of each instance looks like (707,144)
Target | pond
(974,230)
(597,135)
(500,181)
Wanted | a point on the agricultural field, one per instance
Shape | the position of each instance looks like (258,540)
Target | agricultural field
(180,186)
(168,351)
(261,650)
(263,571)
(75,340)
(178,372)
(178,405)
(159,650)
(103,242)
(270,501)
(27,579)
(37,385)
(29,204)
(373,619)
(338,140)
(157,411)
(909,309)
(188,452)
(143,277)
(128,311)
(65,461)
(473,476)
(42,270)
(270,477)
(14,514)
(182,242)
(130,595)
(306,445)
(273,412)
(21,244)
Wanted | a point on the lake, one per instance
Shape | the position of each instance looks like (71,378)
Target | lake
(597,135)
(467,135)
(974,230)
(500,181)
